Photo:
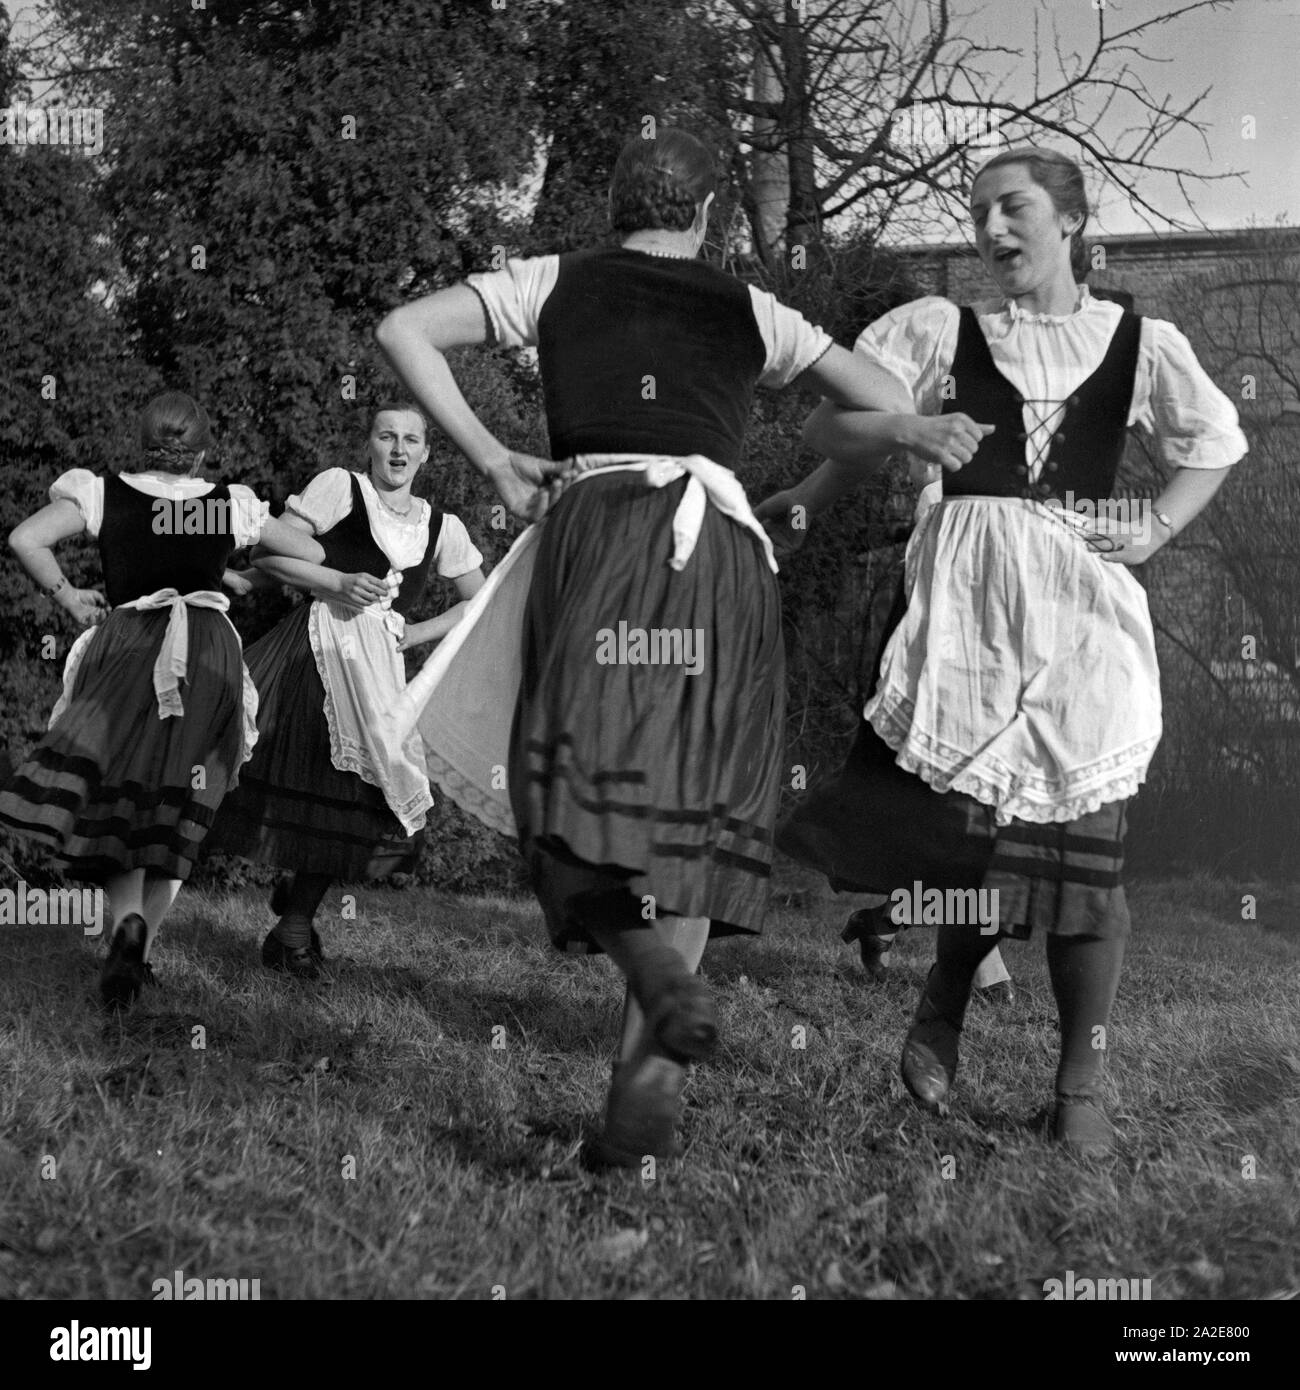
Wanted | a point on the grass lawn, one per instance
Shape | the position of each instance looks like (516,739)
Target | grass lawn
(412,1128)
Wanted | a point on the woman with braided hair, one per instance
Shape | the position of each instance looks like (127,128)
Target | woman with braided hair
(157,713)
(644,758)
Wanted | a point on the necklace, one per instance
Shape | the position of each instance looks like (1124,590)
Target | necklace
(392,511)
(663,255)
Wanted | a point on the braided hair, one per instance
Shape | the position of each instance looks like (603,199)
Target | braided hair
(174,431)
(658,183)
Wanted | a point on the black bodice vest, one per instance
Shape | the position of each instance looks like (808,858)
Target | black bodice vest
(350,546)
(647,354)
(1085,451)
(149,543)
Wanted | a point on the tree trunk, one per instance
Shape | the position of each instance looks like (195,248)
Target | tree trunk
(769,181)
(803,222)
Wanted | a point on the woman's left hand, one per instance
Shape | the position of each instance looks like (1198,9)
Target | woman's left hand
(921,474)
(413,635)
(1123,543)
(785,520)
(239,582)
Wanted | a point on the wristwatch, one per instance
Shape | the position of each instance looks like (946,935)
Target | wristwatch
(1164,520)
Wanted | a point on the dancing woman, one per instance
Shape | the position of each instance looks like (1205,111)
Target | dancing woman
(326,796)
(643,776)
(1018,704)
(157,712)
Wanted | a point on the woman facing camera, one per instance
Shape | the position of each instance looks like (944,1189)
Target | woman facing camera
(326,797)
(644,763)
(1018,702)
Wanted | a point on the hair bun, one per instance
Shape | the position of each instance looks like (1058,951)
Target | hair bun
(652,198)
(174,431)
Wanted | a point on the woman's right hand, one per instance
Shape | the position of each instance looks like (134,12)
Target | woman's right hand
(948,440)
(85,606)
(359,590)
(528,486)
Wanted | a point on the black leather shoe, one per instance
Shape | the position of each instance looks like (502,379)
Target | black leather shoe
(929,1062)
(862,927)
(1079,1124)
(280,905)
(125,971)
(299,961)
(642,1114)
(1000,995)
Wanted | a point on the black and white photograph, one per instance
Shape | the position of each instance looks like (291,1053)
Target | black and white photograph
(649,652)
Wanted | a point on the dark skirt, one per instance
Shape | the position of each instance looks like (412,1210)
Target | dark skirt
(293,808)
(637,776)
(112,787)
(875,828)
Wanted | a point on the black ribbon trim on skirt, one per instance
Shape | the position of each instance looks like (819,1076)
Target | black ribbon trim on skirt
(141,798)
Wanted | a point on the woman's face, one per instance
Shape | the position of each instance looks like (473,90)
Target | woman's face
(396,448)
(1021,238)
